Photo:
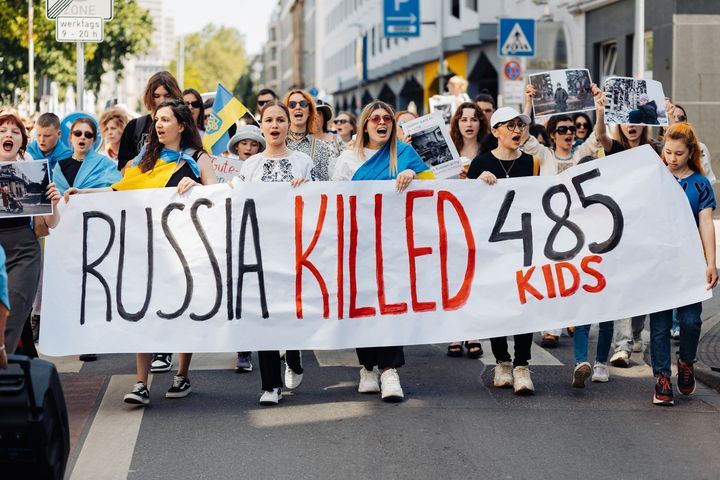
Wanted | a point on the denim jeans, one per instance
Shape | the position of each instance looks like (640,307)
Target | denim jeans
(627,330)
(581,340)
(660,324)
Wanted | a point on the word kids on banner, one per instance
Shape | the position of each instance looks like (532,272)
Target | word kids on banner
(268,266)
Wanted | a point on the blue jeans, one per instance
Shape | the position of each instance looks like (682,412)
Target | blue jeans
(660,324)
(581,340)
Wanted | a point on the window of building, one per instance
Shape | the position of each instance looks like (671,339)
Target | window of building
(649,43)
(471,4)
(608,60)
(455,8)
(380,39)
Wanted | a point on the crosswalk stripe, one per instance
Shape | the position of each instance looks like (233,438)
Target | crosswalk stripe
(539,356)
(337,358)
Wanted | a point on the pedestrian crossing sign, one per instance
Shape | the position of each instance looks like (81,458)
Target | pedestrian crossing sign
(516,37)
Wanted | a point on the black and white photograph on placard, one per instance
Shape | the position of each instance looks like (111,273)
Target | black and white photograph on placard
(444,104)
(633,101)
(562,91)
(22,189)
(431,140)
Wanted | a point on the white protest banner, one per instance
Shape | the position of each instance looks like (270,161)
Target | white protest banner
(344,264)
(431,140)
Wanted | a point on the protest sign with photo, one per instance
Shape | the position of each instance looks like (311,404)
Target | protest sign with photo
(226,168)
(22,189)
(562,91)
(443,104)
(431,140)
(633,101)
(328,265)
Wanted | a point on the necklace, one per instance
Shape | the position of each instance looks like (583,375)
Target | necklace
(507,171)
(296,137)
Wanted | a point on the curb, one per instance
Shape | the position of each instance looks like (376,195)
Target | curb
(707,376)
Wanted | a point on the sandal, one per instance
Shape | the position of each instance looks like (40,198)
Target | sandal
(455,350)
(474,354)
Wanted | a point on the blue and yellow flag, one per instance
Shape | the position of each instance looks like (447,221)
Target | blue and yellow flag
(225,112)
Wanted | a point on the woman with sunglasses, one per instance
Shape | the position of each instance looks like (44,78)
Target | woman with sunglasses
(322,122)
(301,135)
(583,126)
(510,128)
(378,155)
(194,102)
(173,157)
(17,238)
(345,126)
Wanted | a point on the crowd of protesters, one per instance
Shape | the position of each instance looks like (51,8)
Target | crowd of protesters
(297,139)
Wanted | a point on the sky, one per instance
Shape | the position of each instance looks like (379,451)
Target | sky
(249,16)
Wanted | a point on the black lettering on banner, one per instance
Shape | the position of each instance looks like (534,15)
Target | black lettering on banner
(91,267)
(211,255)
(524,234)
(607,202)
(186,268)
(249,213)
(228,256)
(134,317)
(560,222)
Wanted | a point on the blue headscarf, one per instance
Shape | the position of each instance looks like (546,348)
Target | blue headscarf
(4,298)
(377,167)
(171,156)
(60,152)
(96,171)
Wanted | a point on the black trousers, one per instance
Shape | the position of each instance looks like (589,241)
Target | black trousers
(270,367)
(523,343)
(383,357)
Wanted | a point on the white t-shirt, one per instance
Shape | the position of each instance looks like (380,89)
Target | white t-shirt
(258,168)
(348,163)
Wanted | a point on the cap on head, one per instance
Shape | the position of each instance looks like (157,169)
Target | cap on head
(505,114)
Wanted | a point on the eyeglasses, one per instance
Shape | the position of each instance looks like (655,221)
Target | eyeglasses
(195,104)
(377,118)
(340,121)
(582,125)
(302,103)
(565,129)
(78,133)
(261,103)
(515,126)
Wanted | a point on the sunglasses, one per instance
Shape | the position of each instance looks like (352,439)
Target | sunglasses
(565,129)
(302,103)
(195,104)
(341,121)
(515,126)
(78,133)
(582,125)
(377,118)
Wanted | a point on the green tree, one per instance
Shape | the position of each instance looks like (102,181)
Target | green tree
(215,54)
(245,90)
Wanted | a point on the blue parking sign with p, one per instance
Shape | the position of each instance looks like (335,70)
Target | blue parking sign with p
(401,18)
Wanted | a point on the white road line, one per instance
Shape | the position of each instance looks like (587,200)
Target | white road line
(539,356)
(289,414)
(211,361)
(108,449)
(337,358)
(67,364)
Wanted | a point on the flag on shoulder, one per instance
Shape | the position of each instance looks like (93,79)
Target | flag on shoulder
(226,111)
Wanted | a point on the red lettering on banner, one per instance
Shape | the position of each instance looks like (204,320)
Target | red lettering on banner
(523,285)
(414,252)
(564,290)
(355,311)
(461,297)
(549,281)
(301,257)
(385,308)
(341,254)
(591,271)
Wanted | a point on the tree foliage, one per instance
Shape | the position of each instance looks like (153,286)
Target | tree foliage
(245,90)
(127,34)
(215,54)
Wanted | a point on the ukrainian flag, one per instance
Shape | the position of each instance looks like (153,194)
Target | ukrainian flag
(225,112)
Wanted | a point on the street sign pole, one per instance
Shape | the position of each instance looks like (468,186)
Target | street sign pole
(79,103)
(31,58)
(441,58)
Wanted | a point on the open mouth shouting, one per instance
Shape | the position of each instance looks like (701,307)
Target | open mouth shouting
(275,134)
(382,131)
(7,145)
(516,138)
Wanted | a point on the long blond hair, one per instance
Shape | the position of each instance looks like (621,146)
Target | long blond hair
(363,138)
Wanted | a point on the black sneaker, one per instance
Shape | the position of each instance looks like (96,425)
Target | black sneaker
(161,362)
(663,391)
(180,387)
(140,395)
(244,363)
(686,377)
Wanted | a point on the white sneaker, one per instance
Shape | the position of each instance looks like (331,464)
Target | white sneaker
(580,374)
(522,384)
(292,379)
(390,386)
(369,381)
(600,372)
(620,359)
(272,397)
(503,375)
(637,345)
